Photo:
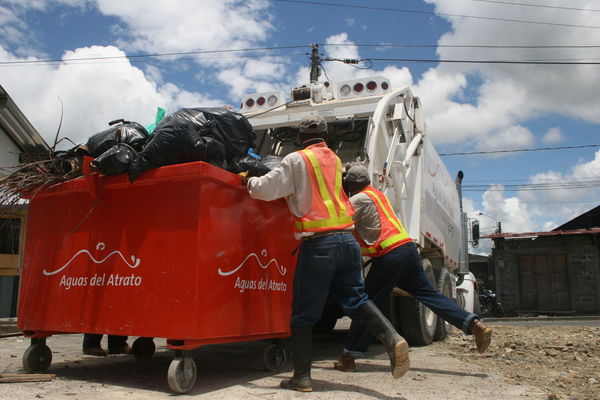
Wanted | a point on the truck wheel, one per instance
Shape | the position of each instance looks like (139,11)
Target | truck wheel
(445,286)
(417,321)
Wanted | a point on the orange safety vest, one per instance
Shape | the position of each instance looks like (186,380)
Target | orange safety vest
(392,233)
(330,208)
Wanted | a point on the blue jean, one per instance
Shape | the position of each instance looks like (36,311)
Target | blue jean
(327,264)
(402,267)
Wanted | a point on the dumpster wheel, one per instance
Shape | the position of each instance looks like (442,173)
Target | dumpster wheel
(143,348)
(182,374)
(275,357)
(37,358)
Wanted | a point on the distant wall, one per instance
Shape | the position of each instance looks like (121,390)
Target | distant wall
(582,255)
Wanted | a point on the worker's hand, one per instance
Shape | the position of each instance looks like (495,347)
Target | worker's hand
(244,176)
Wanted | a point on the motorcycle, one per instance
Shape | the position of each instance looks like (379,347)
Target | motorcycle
(490,304)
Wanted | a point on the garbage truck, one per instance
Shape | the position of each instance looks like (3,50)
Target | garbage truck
(382,127)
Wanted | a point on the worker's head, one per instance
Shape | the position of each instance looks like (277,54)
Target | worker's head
(312,127)
(356,179)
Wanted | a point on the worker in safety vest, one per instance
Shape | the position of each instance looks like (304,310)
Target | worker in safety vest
(329,258)
(395,262)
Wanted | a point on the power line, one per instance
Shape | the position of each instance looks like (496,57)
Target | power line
(534,186)
(137,58)
(431,60)
(140,56)
(549,202)
(483,46)
(468,153)
(319,3)
(537,5)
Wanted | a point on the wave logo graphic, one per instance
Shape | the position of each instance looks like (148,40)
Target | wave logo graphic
(282,270)
(434,173)
(135,262)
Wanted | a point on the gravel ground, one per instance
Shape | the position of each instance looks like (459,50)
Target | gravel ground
(545,363)
(562,361)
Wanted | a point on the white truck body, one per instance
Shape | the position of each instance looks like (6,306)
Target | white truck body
(382,128)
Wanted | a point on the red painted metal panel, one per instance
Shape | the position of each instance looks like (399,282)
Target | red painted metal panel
(182,253)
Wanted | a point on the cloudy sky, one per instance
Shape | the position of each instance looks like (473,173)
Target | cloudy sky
(70,55)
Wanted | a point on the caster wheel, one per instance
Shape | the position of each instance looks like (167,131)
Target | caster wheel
(143,348)
(275,357)
(182,374)
(37,358)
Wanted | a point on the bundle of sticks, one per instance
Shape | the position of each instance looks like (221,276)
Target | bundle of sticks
(27,179)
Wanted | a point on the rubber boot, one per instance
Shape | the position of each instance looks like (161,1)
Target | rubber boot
(302,349)
(483,335)
(383,330)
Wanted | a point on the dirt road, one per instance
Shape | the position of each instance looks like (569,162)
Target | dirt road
(236,371)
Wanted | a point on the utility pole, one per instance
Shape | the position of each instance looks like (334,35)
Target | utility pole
(315,71)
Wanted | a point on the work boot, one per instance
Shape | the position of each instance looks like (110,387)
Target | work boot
(383,330)
(345,364)
(95,351)
(483,335)
(125,349)
(302,349)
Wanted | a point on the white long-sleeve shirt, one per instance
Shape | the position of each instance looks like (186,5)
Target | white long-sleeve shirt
(289,180)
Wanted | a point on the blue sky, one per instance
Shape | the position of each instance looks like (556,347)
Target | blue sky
(468,107)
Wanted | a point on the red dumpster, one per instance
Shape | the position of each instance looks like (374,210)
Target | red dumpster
(183,253)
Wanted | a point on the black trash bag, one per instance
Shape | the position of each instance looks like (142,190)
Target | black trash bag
(230,128)
(115,160)
(177,141)
(252,165)
(131,133)
(214,135)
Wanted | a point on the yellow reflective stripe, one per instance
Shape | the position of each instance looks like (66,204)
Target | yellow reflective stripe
(324,223)
(321,182)
(338,187)
(393,219)
(392,240)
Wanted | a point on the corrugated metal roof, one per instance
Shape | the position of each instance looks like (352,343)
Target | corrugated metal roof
(508,235)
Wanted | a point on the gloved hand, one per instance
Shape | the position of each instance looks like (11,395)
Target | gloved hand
(244,177)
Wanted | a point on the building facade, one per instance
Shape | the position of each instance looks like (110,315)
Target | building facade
(556,272)
(19,142)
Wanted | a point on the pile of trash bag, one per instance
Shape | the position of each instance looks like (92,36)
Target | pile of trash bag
(215,135)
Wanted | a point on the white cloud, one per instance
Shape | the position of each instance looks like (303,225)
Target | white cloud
(181,25)
(572,194)
(511,94)
(350,21)
(553,135)
(92,95)
(510,138)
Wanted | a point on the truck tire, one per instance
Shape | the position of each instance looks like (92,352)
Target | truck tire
(417,322)
(445,285)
